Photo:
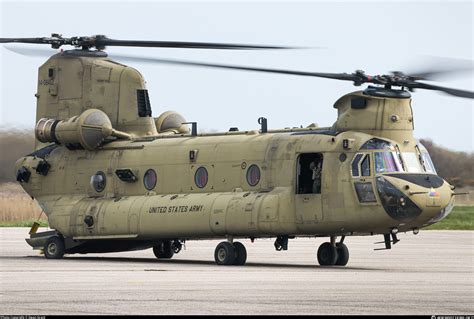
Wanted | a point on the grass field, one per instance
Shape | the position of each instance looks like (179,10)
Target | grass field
(16,205)
(17,209)
(25,223)
(461,218)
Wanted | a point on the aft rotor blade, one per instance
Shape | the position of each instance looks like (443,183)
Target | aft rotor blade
(32,52)
(336,76)
(23,40)
(100,42)
(104,42)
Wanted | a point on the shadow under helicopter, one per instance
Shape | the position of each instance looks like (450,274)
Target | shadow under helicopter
(154,262)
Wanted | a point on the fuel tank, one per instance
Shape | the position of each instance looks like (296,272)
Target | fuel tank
(204,215)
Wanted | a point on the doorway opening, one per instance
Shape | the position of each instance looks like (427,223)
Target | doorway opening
(309,171)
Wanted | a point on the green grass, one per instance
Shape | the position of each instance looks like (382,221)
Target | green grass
(461,218)
(25,223)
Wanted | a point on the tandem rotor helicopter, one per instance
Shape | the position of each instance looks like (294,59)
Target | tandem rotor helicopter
(111,177)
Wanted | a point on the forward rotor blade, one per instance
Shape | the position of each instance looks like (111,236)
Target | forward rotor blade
(435,74)
(357,78)
(437,67)
(450,91)
(336,76)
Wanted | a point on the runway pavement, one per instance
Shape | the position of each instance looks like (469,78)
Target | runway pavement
(430,273)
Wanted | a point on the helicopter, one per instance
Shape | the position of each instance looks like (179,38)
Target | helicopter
(111,177)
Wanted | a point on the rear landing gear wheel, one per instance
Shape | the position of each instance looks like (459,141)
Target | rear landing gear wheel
(342,254)
(163,250)
(327,255)
(54,248)
(240,254)
(225,254)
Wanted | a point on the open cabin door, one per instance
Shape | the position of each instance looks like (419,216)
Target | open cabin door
(309,172)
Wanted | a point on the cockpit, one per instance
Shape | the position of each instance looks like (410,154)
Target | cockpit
(404,182)
(388,158)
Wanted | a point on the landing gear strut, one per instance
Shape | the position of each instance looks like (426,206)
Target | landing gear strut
(332,253)
(227,253)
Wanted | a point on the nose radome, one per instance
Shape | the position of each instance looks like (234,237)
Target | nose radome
(422,199)
(439,204)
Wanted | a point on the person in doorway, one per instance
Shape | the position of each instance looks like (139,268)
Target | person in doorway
(315,167)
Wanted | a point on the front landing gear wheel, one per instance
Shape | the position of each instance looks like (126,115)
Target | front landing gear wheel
(342,254)
(163,250)
(54,248)
(327,255)
(225,254)
(240,254)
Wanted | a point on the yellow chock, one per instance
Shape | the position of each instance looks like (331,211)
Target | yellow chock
(34,228)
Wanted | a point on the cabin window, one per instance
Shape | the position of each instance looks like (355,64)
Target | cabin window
(253,175)
(309,173)
(200,177)
(149,179)
(98,181)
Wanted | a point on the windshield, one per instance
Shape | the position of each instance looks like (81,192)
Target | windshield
(429,166)
(426,160)
(387,162)
(412,163)
(389,159)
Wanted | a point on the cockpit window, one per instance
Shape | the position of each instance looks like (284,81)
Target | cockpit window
(387,162)
(426,160)
(355,165)
(389,159)
(429,166)
(412,163)
(365,166)
(377,144)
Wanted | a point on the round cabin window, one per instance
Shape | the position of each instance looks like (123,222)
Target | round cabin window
(98,181)
(253,175)
(149,179)
(201,176)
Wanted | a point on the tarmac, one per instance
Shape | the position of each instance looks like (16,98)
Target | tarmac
(429,274)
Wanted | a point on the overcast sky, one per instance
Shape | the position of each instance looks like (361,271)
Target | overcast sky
(373,36)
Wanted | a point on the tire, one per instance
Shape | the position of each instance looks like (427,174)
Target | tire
(54,248)
(224,254)
(342,254)
(240,254)
(327,255)
(163,250)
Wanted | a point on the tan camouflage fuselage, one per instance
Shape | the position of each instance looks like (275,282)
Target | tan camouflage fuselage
(227,205)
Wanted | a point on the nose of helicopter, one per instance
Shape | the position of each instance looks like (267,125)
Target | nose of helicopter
(417,199)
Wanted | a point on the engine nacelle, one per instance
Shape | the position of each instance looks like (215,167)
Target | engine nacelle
(171,121)
(87,130)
